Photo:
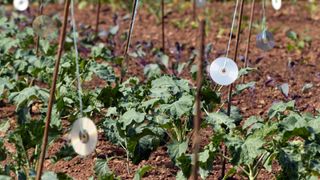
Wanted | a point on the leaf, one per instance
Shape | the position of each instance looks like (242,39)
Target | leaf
(100,51)
(251,121)
(141,171)
(278,108)
(294,126)
(180,176)
(220,121)
(4,177)
(179,108)
(3,152)
(49,175)
(184,163)
(167,88)
(292,122)
(45,44)
(292,35)
(251,149)
(314,125)
(305,87)
(82,4)
(231,172)
(246,71)
(112,111)
(301,44)
(101,167)
(241,87)
(103,71)
(151,70)
(284,88)
(114,30)
(132,116)
(5,84)
(176,149)
(4,126)
(66,152)
(181,67)
(268,160)
(25,97)
(164,60)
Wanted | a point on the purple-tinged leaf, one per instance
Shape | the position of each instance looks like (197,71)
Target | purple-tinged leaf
(241,58)
(259,59)
(269,81)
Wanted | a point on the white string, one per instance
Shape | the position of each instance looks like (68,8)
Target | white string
(75,42)
(231,32)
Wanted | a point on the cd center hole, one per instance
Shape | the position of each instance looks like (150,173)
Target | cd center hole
(224,70)
(84,136)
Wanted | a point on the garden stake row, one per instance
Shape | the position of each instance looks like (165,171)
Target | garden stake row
(125,59)
(163,28)
(40,12)
(249,38)
(231,86)
(98,17)
(197,118)
(52,90)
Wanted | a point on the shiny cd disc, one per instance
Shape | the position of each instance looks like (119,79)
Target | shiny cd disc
(224,71)
(45,27)
(84,136)
(21,5)
(200,3)
(265,40)
(276,4)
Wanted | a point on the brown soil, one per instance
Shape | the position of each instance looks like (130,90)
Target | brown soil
(274,64)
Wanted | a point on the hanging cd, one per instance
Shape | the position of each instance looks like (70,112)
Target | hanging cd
(84,136)
(45,27)
(276,4)
(200,3)
(21,5)
(265,40)
(224,71)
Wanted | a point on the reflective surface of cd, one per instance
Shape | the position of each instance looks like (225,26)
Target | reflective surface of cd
(45,27)
(276,4)
(224,71)
(84,136)
(200,3)
(265,40)
(21,5)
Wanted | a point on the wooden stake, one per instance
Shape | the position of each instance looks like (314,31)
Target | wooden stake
(194,13)
(197,119)
(249,38)
(224,161)
(52,90)
(163,28)
(133,16)
(98,17)
(40,12)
